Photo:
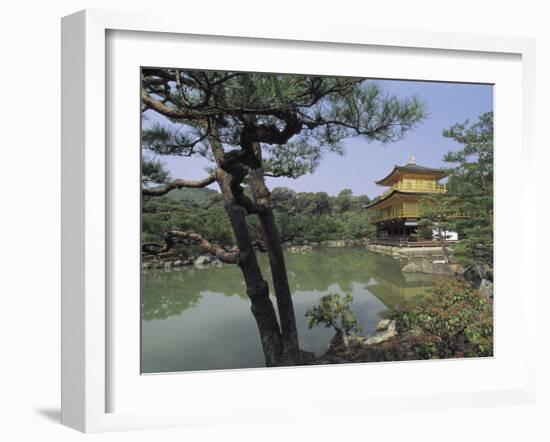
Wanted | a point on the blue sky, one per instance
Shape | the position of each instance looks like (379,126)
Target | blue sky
(364,162)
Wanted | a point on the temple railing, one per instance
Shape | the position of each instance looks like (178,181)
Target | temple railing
(430,187)
(396,213)
(409,242)
(392,214)
(426,187)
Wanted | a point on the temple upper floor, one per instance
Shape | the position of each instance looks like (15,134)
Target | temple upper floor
(414,178)
(411,175)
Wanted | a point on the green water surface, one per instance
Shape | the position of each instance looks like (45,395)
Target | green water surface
(200,319)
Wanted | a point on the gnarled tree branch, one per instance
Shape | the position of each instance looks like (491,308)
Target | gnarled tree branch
(236,163)
(172,237)
(177,184)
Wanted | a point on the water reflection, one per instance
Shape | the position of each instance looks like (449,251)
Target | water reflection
(200,319)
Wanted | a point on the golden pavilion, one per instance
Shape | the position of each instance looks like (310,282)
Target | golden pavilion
(396,212)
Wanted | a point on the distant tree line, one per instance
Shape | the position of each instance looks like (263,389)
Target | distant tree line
(302,217)
(305,217)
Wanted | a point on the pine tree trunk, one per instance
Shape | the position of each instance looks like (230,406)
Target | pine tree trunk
(272,240)
(256,287)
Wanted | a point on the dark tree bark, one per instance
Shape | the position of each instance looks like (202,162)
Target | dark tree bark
(172,237)
(256,286)
(272,240)
(177,184)
(247,162)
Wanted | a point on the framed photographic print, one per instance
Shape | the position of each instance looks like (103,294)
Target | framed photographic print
(270,222)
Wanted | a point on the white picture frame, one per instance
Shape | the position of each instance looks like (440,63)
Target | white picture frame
(86,317)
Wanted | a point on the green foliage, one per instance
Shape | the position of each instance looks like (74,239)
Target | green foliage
(334,311)
(358,103)
(301,217)
(197,210)
(329,109)
(312,217)
(474,162)
(168,139)
(437,213)
(457,315)
(438,210)
(153,171)
(472,182)
(292,159)
(344,201)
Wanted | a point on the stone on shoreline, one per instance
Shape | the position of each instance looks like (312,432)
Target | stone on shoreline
(336,243)
(412,267)
(388,333)
(383,325)
(202,261)
(434,267)
(300,249)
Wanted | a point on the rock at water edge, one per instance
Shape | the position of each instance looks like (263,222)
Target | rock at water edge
(383,325)
(389,333)
(202,261)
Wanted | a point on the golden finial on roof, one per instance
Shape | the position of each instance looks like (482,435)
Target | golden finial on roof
(411,160)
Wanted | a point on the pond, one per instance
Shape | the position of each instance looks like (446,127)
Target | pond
(200,319)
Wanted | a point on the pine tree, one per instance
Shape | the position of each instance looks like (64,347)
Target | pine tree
(472,182)
(253,125)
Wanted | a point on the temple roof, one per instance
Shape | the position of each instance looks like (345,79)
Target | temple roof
(411,167)
(391,194)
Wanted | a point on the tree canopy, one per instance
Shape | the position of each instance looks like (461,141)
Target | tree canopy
(471,181)
(253,125)
(295,117)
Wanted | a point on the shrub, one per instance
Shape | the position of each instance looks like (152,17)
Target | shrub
(334,311)
(454,312)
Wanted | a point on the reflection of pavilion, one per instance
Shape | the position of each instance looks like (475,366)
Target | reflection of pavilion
(393,288)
